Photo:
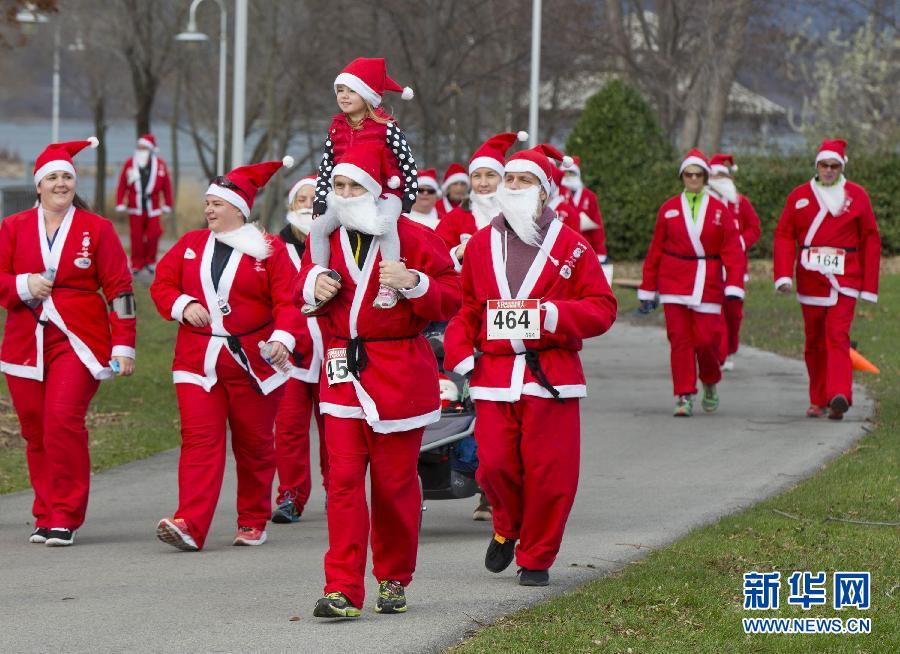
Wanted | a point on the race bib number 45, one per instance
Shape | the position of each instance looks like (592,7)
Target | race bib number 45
(517,319)
(336,366)
(828,260)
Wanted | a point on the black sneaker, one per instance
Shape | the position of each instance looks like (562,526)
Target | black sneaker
(533,577)
(391,598)
(287,512)
(39,535)
(60,537)
(838,406)
(499,554)
(335,605)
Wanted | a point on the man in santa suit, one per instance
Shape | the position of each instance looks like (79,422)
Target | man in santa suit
(301,395)
(827,236)
(695,236)
(379,387)
(721,184)
(144,193)
(585,200)
(531,293)
(423,210)
(454,189)
(229,287)
(486,174)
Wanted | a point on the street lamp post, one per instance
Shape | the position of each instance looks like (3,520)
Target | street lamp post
(192,34)
(240,83)
(534,106)
(29,16)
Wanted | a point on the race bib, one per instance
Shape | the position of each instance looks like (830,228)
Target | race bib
(828,260)
(517,319)
(336,370)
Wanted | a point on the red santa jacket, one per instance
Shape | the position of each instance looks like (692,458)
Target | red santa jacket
(685,259)
(454,224)
(576,303)
(397,389)
(159,188)
(566,212)
(309,351)
(88,256)
(444,206)
(806,222)
(252,304)
(590,219)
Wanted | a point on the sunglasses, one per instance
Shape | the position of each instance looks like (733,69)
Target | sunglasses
(426,191)
(828,166)
(224,182)
(693,175)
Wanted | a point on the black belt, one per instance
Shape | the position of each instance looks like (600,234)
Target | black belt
(234,344)
(807,247)
(691,258)
(357,359)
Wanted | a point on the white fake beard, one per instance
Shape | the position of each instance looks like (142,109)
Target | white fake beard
(484,207)
(725,187)
(141,157)
(358,214)
(521,208)
(301,219)
(247,239)
(833,196)
(572,182)
(429,219)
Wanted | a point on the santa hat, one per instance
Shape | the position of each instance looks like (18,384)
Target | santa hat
(576,166)
(367,165)
(722,164)
(455,173)
(244,183)
(536,161)
(832,149)
(492,152)
(148,141)
(694,158)
(309,180)
(57,157)
(369,78)
(428,177)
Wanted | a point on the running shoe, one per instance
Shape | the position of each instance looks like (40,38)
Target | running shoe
(729,364)
(533,577)
(335,605)
(59,537)
(500,553)
(175,532)
(838,406)
(287,512)
(483,512)
(815,411)
(387,297)
(710,400)
(249,536)
(39,535)
(684,407)
(391,598)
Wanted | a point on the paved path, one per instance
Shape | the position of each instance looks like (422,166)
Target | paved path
(646,479)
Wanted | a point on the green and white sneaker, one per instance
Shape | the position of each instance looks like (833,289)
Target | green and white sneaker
(391,598)
(684,406)
(710,398)
(335,605)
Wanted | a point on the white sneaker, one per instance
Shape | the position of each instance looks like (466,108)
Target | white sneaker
(387,297)
(729,364)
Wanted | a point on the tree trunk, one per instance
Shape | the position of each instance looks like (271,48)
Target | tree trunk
(99,111)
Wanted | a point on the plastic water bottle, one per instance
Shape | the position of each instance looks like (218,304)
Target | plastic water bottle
(265,350)
(115,366)
(50,276)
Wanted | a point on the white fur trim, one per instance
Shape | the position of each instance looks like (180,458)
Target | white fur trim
(364,90)
(645,295)
(22,287)
(287,161)
(407,94)
(526,166)
(869,297)
(565,390)
(55,166)
(465,366)
(180,305)
(246,239)
(734,291)
(231,197)
(717,169)
(693,161)
(123,351)
(309,285)
(568,162)
(147,144)
(486,162)
(522,135)
(300,183)
(453,179)
(121,207)
(784,281)
(393,182)
(830,154)
(358,175)
(430,182)
(419,289)
(285,338)
(93,142)
(342,411)
(552,318)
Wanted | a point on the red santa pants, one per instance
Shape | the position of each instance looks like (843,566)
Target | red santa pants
(528,458)
(145,233)
(52,414)
(298,404)
(201,466)
(392,460)
(827,350)
(694,338)
(733,311)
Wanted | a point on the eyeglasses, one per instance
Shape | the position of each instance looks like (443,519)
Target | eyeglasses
(828,166)
(692,175)
(426,191)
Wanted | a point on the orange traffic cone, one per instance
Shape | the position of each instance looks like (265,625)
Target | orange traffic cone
(861,363)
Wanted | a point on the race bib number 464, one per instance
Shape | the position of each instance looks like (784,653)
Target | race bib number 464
(336,370)
(829,260)
(517,319)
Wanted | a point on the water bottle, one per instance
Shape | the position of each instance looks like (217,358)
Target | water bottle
(49,275)
(265,350)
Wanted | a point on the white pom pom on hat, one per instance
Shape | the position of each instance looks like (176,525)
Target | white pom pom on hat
(394,182)
(94,141)
(408,93)
(287,161)
(522,135)
(567,162)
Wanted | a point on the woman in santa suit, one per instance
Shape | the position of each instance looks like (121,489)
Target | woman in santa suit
(486,173)
(60,337)
(454,189)
(229,287)
(301,394)
(590,222)
(827,233)
(694,238)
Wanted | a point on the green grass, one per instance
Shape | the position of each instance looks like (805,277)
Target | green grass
(688,597)
(130,418)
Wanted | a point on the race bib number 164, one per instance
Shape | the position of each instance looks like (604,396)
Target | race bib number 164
(516,319)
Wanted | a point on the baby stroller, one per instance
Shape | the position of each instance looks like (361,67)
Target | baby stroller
(448,457)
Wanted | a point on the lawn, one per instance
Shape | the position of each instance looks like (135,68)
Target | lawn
(130,418)
(688,597)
